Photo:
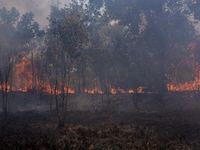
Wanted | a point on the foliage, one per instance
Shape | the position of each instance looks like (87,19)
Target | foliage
(65,39)
(155,30)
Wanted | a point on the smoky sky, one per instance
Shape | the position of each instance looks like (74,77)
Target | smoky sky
(40,8)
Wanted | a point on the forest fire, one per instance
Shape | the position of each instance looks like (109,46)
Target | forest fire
(25,79)
(75,77)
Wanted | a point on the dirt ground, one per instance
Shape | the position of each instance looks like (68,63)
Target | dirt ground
(112,129)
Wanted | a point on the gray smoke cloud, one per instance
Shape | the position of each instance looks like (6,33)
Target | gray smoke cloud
(40,8)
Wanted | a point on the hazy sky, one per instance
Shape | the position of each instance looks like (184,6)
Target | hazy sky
(41,8)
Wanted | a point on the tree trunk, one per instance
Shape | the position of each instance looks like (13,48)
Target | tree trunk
(56,90)
(51,100)
(33,73)
(83,78)
(162,83)
(79,80)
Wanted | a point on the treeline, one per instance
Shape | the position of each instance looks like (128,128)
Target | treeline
(102,44)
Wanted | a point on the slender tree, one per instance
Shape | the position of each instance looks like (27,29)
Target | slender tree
(65,38)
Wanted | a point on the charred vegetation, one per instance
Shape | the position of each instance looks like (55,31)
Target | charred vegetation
(122,126)
(101,75)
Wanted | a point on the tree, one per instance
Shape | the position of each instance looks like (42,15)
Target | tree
(8,42)
(29,34)
(155,30)
(65,39)
(15,35)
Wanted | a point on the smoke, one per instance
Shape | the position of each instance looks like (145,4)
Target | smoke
(40,8)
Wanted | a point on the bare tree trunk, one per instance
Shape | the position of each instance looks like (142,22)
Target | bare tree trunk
(4,82)
(79,80)
(83,73)
(6,94)
(51,100)
(11,76)
(63,103)
(4,106)
(102,101)
(33,73)
(56,90)
(4,89)
(67,93)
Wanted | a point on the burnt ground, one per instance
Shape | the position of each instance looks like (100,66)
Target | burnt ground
(155,126)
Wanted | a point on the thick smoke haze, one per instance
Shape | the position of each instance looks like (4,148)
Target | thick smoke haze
(40,8)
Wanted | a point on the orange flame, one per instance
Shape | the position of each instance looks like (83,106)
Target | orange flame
(95,90)
(187,86)
(24,80)
(3,87)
